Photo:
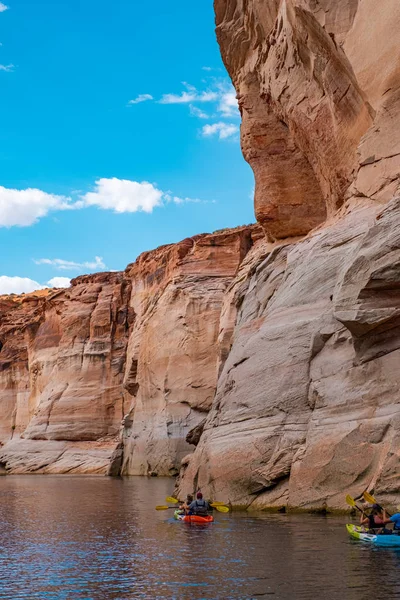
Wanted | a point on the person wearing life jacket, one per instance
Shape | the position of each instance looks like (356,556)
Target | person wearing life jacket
(395,519)
(199,506)
(376,520)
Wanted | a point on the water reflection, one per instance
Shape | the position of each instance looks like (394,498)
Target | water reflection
(98,538)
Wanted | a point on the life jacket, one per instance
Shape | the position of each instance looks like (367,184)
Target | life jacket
(200,508)
(371,522)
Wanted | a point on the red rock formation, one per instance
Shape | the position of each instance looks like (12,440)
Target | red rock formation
(141,343)
(307,404)
(61,370)
(172,363)
(318,84)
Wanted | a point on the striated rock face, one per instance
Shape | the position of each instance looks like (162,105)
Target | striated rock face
(307,405)
(318,84)
(139,344)
(308,402)
(172,362)
(62,364)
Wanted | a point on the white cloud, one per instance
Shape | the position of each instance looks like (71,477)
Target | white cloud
(18,285)
(190,96)
(25,207)
(207,68)
(228,105)
(122,196)
(197,112)
(7,68)
(3,7)
(59,282)
(70,265)
(25,285)
(221,95)
(141,98)
(222,130)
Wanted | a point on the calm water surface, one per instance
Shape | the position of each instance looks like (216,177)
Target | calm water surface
(99,538)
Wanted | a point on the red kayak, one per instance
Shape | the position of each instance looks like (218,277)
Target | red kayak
(193,518)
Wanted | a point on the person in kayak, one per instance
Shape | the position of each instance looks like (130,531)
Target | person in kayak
(199,506)
(395,519)
(376,520)
(185,506)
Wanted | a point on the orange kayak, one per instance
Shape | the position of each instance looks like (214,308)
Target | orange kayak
(193,518)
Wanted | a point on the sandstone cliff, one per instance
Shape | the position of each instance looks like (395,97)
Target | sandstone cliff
(318,89)
(62,362)
(308,403)
(275,351)
(139,344)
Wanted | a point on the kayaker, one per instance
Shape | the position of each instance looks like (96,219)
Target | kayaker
(199,506)
(376,520)
(395,519)
(185,506)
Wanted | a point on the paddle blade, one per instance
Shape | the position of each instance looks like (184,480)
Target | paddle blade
(163,507)
(222,509)
(171,500)
(350,501)
(218,503)
(369,498)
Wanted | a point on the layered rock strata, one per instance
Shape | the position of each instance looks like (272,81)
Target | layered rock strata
(62,363)
(318,83)
(172,361)
(308,402)
(139,344)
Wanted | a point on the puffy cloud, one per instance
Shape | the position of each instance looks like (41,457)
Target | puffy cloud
(59,282)
(222,130)
(207,68)
(7,68)
(25,207)
(70,265)
(122,196)
(141,98)
(18,285)
(25,285)
(190,96)
(228,105)
(197,112)
(3,7)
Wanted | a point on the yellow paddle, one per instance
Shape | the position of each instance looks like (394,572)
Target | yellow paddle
(351,502)
(164,507)
(369,498)
(219,506)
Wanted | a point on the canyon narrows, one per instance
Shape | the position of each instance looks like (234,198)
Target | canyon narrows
(260,363)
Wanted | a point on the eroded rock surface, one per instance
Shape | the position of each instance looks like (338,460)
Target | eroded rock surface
(318,84)
(62,365)
(308,401)
(173,355)
(138,347)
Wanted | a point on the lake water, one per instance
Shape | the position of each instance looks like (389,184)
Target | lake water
(96,538)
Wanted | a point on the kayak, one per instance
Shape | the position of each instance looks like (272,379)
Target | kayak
(192,518)
(391,540)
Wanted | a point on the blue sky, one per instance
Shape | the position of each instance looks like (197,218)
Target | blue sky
(119,132)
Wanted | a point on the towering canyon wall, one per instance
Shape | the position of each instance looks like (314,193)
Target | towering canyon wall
(308,403)
(138,348)
(273,350)
(318,89)
(62,363)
